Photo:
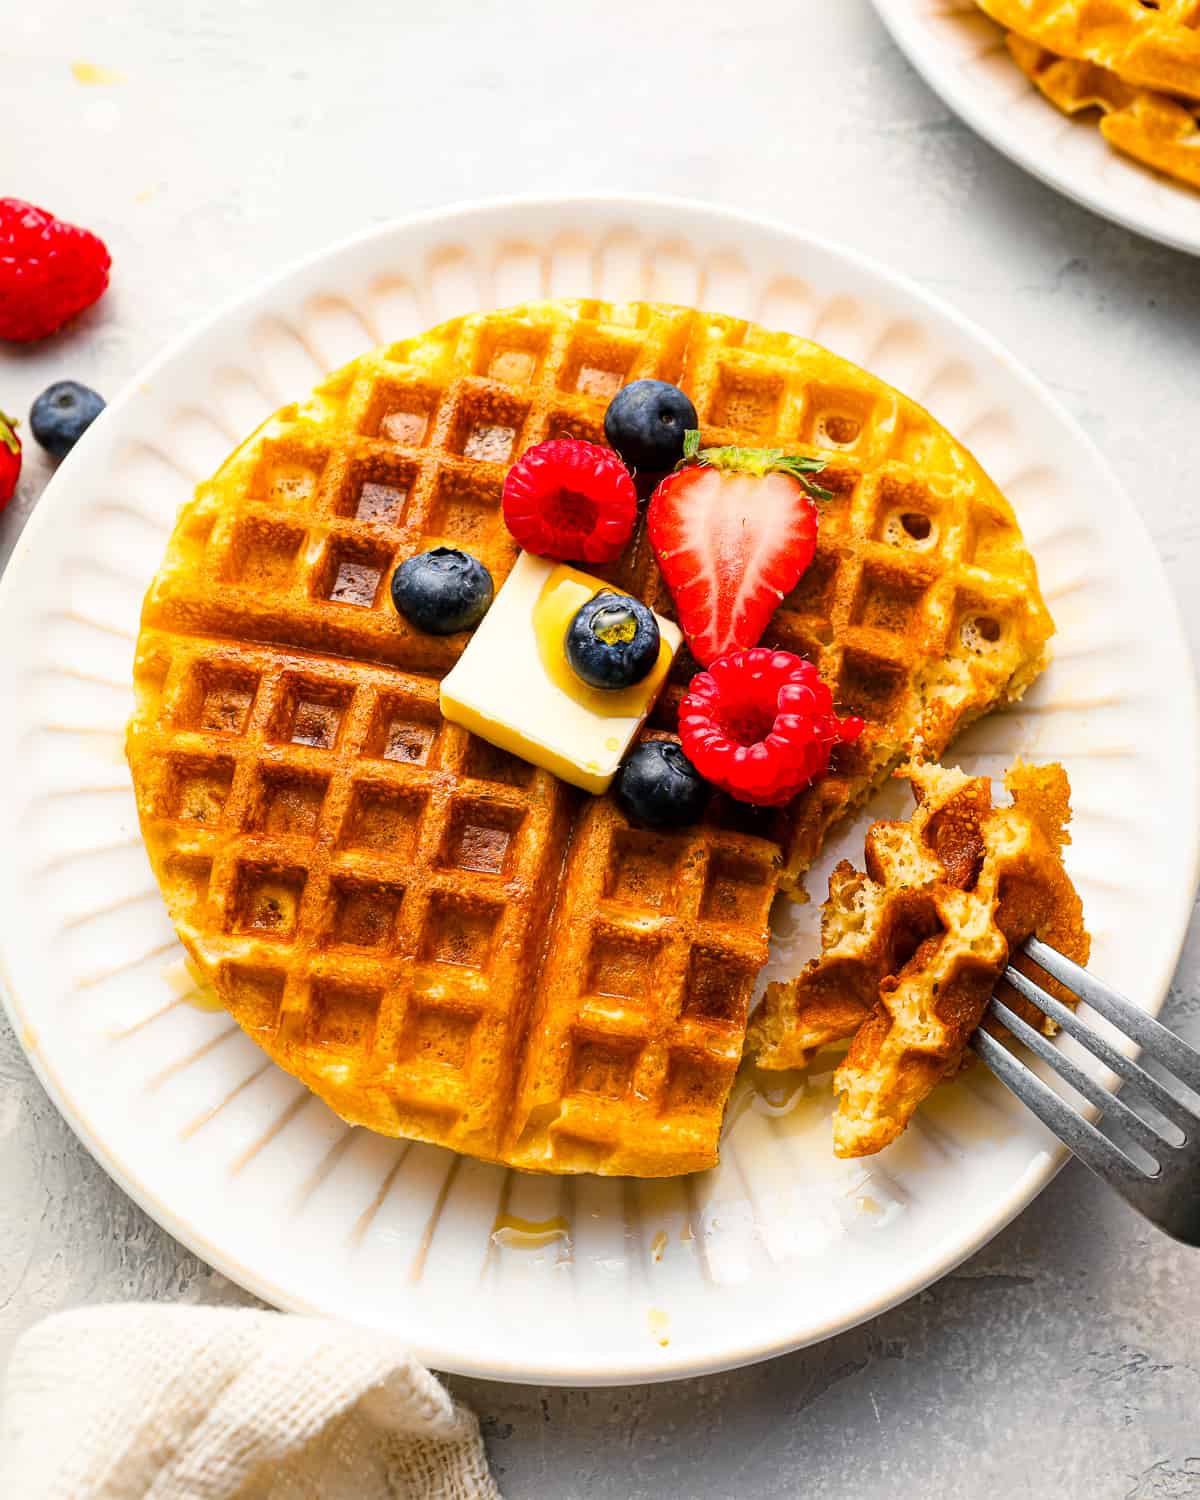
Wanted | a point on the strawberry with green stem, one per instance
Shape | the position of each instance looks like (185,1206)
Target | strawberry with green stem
(733,530)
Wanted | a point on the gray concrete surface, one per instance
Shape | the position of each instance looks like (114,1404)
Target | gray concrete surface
(1061,1361)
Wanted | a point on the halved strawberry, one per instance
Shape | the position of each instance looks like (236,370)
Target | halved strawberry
(733,530)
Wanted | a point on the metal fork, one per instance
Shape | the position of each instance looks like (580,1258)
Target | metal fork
(1166,1190)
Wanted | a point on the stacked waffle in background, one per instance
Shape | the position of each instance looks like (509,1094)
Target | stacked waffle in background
(443,940)
(1137,62)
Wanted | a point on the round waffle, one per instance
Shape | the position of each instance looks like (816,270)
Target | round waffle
(442,941)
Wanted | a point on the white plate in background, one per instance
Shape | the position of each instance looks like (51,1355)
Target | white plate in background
(960,53)
(631,1280)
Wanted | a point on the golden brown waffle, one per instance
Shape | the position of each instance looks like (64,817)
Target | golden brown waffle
(1153,128)
(1152,43)
(921,608)
(911,951)
(657,947)
(443,941)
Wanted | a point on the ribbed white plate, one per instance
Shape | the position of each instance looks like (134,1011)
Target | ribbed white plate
(960,53)
(634,1280)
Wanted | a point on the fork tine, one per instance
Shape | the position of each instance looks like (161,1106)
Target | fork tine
(1100,1048)
(1163,1045)
(1092,1148)
(1093,1091)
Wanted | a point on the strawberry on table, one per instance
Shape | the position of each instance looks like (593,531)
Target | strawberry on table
(10,459)
(49,270)
(733,530)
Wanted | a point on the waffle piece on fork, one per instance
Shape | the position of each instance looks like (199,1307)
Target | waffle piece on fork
(912,949)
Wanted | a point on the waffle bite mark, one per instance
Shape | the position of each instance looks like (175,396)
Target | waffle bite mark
(922,611)
(911,951)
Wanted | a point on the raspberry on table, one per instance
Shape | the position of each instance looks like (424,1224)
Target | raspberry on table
(49,270)
(761,725)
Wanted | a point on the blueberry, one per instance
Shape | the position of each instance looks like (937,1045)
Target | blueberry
(645,422)
(613,640)
(659,787)
(62,414)
(443,591)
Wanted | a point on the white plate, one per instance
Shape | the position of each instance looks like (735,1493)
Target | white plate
(960,53)
(782,1245)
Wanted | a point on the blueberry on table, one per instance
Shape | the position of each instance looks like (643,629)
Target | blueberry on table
(645,422)
(659,787)
(612,641)
(62,414)
(443,591)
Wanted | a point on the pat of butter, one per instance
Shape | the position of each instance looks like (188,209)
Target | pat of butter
(514,687)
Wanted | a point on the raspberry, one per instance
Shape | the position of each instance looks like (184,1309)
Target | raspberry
(760,724)
(49,271)
(570,500)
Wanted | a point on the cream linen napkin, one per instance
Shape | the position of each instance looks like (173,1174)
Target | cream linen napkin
(192,1403)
